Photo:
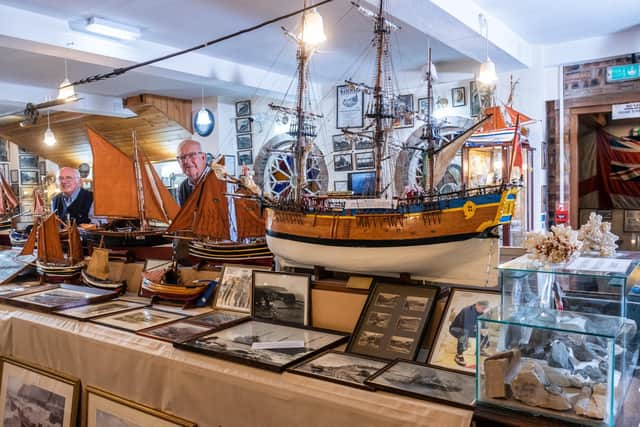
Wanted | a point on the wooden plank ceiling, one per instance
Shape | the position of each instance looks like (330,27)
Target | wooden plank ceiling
(160,125)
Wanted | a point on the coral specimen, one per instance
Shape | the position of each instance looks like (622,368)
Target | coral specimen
(597,236)
(555,246)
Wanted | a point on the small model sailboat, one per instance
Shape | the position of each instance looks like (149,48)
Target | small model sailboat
(19,237)
(130,193)
(98,273)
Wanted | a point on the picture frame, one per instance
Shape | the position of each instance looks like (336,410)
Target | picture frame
(458,97)
(422,105)
(365,160)
(243,108)
(10,268)
(16,189)
(87,312)
(393,321)
(230,164)
(4,150)
(59,297)
(446,345)
(283,298)
(245,158)
(22,387)
(349,107)
(29,177)
(341,368)
(42,167)
(138,319)
(340,143)
(342,162)
(217,319)
(340,186)
(474,99)
(243,141)
(544,155)
(236,343)
(28,161)
(13,289)
(243,125)
(4,170)
(426,382)
(234,290)
(102,408)
(364,141)
(631,222)
(15,176)
(404,112)
(178,331)
(362,183)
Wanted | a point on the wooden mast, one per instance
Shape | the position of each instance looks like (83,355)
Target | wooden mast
(378,136)
(300,146)
(139,184)
(430,137)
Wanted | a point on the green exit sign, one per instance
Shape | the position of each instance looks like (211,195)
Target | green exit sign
(618,73)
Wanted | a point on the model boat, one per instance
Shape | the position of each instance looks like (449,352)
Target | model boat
(168,284)
(8,203)
(422,235)
(40,208)
(130,194)
(98,273)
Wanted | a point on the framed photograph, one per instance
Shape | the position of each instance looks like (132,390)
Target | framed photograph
(32,396)
(243,108)
(340,143)
(341,368)
(340,186)
(364,141)
(393,321)
(349,107)
(631,221)
(4,170)
(474,99)
(458,97)
(10,267)
(342,162)
(455,344)
(264,345)
(16,189)
(4,150)
(282,297)
(245,158)
(14,176)
(42,167)
(404,112)
(90,311)
(61,297)
(230,164)
(244,141)
(234,288)
(13,289)
(178,331)
(425,382)
(28,161)
(137,320)
(364,160)
(362,183)
(29,177)
(243,125)
(103,409)
(422,105)
(218,319)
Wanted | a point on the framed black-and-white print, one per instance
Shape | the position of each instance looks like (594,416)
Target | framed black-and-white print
(342,162)
(349,107)
(340,186)
(340,143)
(474,98)
(631,221)
(364,141)
(245,158)
(451,350)
(29,177)
(15,176)
(4,150)
(243,125)
(86,312)
(364,160)
(42,167)
(137,319)
(4,170)
(61,297)
(234,288)
(28,161)
(422,105)
(180,330)
(230,164)
(282,297)
(243,108)
(244,141)
(458,97)
(404,112)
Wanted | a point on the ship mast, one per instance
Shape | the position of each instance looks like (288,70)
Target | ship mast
(428,134)
(139,185)
(378,135)
(300,145)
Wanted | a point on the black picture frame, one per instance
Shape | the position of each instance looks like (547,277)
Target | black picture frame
(85,296)
(458,97)
(393,321)
(244,141)
(243,125)
(276,297)
(362,183)
(631,223)
(342,162)
(29,177)
(176,331)
(349,107)
(15,176)
(245,158)
(340,143)
(474,99)
(405,113)
(218,319)
(28,161)
(4,150)
(365,160)
(243,108)
(364,141)
(42,167)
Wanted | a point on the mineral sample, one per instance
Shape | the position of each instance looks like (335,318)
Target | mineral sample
(531,386)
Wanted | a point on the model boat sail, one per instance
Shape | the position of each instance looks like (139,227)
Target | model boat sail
(8,203)
(40,208)
(99,274)
(428,235)
(130,193)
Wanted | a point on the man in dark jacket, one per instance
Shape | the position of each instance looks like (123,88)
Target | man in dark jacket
(193,162)
(463,327)
(73,201)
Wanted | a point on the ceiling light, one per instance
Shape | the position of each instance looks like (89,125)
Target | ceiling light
(49,137)
(312,28)
(66,89)
(108,28)
(487,76)
(202,117)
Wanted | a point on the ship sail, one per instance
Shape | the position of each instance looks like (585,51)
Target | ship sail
(99,264)
(249,220)
(39,207)
(8,200)
(30,245)
(515,116)
(75,245)
(49,244)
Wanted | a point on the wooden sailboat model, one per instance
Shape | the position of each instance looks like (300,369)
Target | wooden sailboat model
(424,235)
(8,203)
(130,193)
(98,273)
(40,208)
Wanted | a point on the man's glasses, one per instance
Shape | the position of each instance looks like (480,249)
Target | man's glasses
(188,156)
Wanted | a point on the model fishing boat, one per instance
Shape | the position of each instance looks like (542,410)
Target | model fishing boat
(8,204)
(168,284)
(40,208)
(99,274)
(427,234)
(130,194)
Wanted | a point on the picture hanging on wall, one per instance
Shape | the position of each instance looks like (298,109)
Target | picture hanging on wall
(404,112)
(422,105)
(364,141)
(230,163)
(364,160)
(28,161)
(349,108)
(342,162)
(458,97)
(244,141)
(14,176)
(340,143)
(243,108)
(245,158)
(340,186)
(474,98)
(4,150)
(29,177)
(243,125)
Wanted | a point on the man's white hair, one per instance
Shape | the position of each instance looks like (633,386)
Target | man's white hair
(76,172)
(189,141)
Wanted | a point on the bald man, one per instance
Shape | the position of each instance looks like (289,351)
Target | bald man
(73,200)
(193,162)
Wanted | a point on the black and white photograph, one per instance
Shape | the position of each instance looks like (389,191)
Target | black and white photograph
(370,340)
(425,382)
(243,125)
(29,177)
(178,331)
(404,112)
(234,288)
(631,221)
(342,162)
(364,141)
(137,320)
(408,324)
(263,344)
(400,344)
(339,367)
(364,160)
(28,161)
(32,396)
(243,108)
(42,168)
(4,150)
(387,300)
(474,99)
(458,97)
(349,107)
(378,320)
(60,298)
(415,303)
(9,268)
(245,158)
(218,318)
(282,297)
(95,310)
(15,176)
(340,186)
(341,143)
(244,141)
(230,163)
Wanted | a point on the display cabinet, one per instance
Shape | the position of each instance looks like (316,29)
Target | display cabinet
(561,364)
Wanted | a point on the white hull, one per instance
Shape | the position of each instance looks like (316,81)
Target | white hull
(469,262)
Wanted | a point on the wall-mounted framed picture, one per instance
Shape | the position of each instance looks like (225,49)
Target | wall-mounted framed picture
(362,183)
(42,167)
(243,108)
(631,221)
(15,176)
(544,154)
(340,186)
(458,97)
(4,170)
(230,164)
(474,98)
(340,143)
(29,177)
(16,189)
(422,105)
(245,158)
(364,141)
(244,141)
(283,298)
(349,107)
(404,112)
(243,125)
(28,161)
(364,160)
(342,162)
(4,150)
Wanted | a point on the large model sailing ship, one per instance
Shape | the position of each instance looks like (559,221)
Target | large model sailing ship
(423,235)
(115,175)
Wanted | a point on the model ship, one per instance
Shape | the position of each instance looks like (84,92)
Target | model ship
(98,273)
(128,192)
(378,234)
(8,203)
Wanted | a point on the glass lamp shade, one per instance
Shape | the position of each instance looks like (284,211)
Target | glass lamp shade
(487,75)
(49,137)
(313,33)
(203,117)
(65,92)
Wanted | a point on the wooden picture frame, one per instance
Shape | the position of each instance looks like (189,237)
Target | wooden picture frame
(218,319)
(31,382)
(444,348)
(4,150)
(243,125)
(137,319)
(631,222)
(87,312)
(178,331)
(15,176)
(342,162)
(349,107)
(243,141)
(245,158)
(283,298)
(102,408)
(340,143)
(243,108)
(29,177)
(28,161)
(234,290)
(60,297)
(404,113)
(365,160)
(458,97)
(393,321)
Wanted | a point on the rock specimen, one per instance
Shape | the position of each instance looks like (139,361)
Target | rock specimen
(591,403)
(531,386)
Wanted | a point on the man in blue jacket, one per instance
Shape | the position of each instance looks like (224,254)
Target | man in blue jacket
(463,327)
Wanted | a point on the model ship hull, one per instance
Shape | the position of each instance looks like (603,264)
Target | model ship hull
(94,282)
(123,239)
(250,253)
(59,273)
(153,286)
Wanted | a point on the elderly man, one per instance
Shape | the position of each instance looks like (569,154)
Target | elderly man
(73,201)
(193,162)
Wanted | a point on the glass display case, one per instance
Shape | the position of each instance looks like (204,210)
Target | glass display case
(560,364)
